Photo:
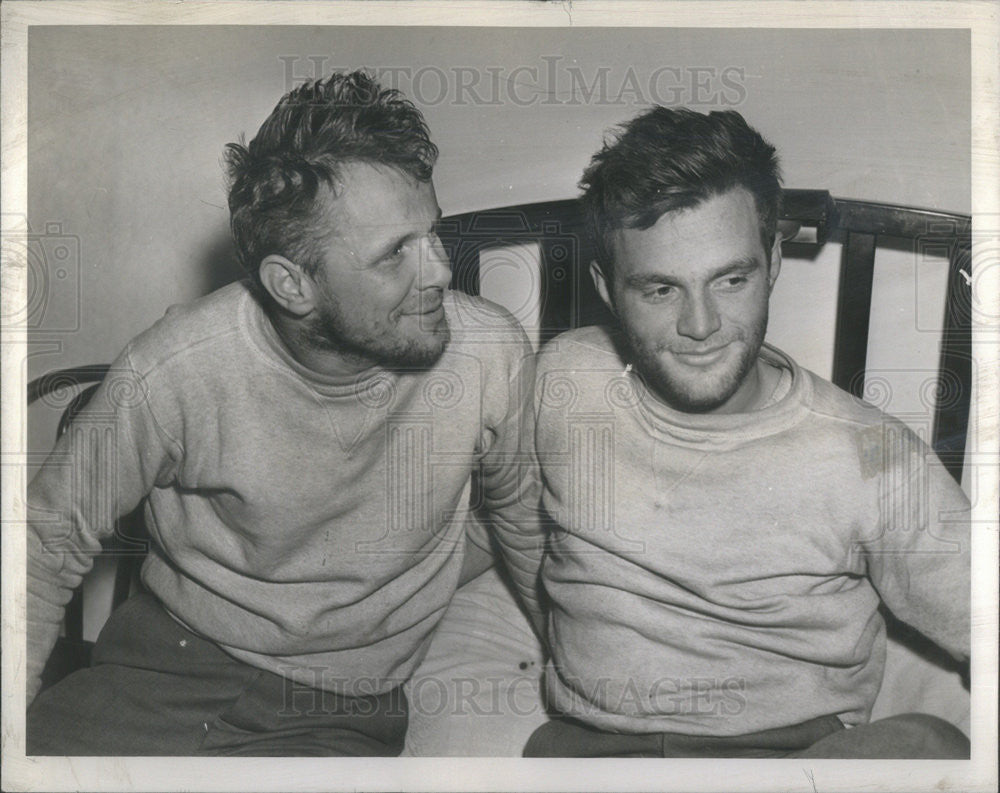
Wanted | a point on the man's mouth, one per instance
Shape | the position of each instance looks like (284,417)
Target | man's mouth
(705,357)
(429,309)
(432,314)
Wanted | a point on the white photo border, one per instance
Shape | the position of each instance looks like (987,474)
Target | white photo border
(980,773)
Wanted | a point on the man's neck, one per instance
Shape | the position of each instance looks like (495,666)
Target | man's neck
(762,382)
(323,361)
(755,392)
(770,377)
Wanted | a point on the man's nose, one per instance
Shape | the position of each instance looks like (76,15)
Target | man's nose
(435,266)
(699,317)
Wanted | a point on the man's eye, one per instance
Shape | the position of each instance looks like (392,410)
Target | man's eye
(395,253)
(734,281)
(659,292)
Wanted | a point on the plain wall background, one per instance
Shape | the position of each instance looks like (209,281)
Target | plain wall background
(127,127)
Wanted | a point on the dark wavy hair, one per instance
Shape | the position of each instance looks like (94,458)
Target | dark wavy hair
(274,182)
(668,159)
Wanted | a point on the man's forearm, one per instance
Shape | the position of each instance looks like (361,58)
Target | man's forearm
(52,575)
(919,560)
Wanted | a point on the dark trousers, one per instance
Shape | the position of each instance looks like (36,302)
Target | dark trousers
(155,688)
(909,736)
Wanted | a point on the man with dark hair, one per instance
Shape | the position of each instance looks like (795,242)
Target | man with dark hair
(729,522)
(305,446)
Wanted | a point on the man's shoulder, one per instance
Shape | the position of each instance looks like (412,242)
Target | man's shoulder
(879,439)
(477,322)
(587,349)
(832,402)
(188,327)
(882,442)
(575,370)
(472,311)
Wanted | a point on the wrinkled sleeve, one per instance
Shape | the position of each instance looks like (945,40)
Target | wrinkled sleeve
(478,556)
(919,557)
(511,491)
(110,457)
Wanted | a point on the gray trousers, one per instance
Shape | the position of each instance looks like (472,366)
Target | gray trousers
(910,736)
(155,688)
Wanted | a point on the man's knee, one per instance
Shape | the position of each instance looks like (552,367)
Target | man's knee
(930,737)
(911,736)
(67,719)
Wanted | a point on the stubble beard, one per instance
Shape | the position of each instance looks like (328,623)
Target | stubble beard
(392,350)
(676,391)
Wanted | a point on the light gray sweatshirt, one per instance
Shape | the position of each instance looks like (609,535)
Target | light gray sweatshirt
(309,525)
(721,574)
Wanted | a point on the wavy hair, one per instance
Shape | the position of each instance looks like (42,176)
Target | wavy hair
(668,159)
(275,181)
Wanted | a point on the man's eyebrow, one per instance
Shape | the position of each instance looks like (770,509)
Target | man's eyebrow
(395,242)
(743,264)
(639,280)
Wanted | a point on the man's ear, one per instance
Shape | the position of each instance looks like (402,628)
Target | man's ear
(775,268)
(288,284)
(601,285)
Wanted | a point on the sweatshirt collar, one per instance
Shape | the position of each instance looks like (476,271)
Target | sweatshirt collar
(264,337)
(731,428)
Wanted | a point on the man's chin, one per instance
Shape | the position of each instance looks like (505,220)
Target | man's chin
(690,388)
(423,355)
(685,403)
(684,400)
